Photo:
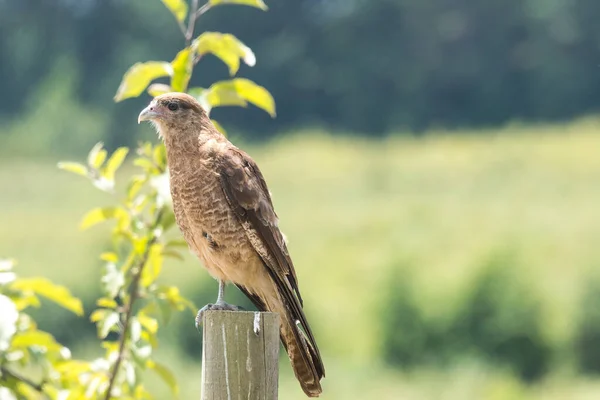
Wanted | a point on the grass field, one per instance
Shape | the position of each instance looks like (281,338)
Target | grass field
(357,214)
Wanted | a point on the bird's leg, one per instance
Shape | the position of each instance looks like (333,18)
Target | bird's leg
(220,305)
(221,294)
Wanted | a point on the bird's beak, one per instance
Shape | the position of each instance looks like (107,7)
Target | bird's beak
(149,113)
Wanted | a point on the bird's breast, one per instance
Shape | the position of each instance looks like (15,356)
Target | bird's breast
(208,224)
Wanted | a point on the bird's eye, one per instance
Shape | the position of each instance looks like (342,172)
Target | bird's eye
(173,106)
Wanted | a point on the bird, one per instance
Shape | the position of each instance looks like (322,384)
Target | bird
(224,210)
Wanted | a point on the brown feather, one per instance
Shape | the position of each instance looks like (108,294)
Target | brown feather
(247,194)
(223,207)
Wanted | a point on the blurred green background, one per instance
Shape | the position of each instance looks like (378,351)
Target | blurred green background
(434,165)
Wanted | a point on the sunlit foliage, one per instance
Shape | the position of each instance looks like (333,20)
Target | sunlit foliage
(134,303)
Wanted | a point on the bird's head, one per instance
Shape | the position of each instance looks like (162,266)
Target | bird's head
(174,112)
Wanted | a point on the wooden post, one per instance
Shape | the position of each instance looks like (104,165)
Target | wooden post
(240,354)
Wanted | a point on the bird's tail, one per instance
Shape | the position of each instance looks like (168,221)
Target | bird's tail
(303,353)
(297,339)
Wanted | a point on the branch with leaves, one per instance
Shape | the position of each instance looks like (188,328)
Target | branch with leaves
(24,347)
(228,48)
(134,303)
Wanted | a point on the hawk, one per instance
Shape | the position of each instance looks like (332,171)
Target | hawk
(224,209)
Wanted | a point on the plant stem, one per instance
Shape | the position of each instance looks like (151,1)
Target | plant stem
(202,10)
(191,23)
(128,307)
(39,387)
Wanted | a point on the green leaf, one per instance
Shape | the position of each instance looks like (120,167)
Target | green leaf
(106,303)
(134,187)
(56,293)
(173,254)
(150,338)
(100,214)
(114,162)
(167,220)
(96,156)
(23,340)
(178,8)
(156,89)
(141,393)
(100,158)
(71,370)
(139,245)
(166,375)
(226,47)
(139,76)
(224,93)
(219,127)
(109,256)
(74,167)
(24,300)
(253,3)
(145,164)
(110,347)
(153,265)
(98,315)
(159,156)
(173,297)
(150,324)
(220,96)
(182,69)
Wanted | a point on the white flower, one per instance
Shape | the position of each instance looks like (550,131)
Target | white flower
(6,265)
(161,184)
(100,364)
(249,57)
(65,353)
(8,321)
(6,394)
(7,277)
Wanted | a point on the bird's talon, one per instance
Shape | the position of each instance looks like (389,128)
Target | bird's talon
(215,307)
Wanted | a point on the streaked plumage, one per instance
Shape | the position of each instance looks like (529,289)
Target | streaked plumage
(224,210)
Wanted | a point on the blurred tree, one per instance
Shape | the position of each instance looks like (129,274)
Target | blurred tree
(498,322)
(364,66)
(392,63)
(587,339)
(501,321)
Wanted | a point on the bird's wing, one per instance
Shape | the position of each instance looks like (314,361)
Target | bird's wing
(246,191)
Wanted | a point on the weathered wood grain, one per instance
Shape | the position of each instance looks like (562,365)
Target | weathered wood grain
(240,354)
